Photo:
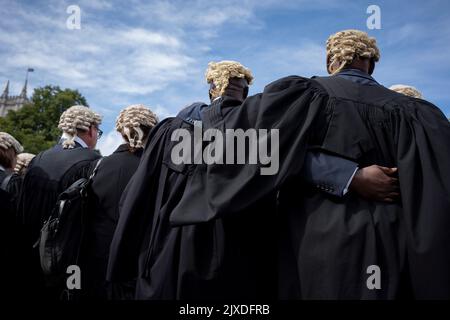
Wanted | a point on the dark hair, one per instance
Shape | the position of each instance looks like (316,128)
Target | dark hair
(8,157)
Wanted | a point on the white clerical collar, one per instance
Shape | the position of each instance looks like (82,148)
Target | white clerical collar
(65,136)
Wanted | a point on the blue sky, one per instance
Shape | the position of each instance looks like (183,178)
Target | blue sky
(155,52)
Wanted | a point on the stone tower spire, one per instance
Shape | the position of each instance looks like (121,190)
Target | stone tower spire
(6,91)
(23,94)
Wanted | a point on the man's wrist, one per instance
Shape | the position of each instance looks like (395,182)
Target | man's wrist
(349,183)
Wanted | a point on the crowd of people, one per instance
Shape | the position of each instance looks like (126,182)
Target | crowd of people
(363,180)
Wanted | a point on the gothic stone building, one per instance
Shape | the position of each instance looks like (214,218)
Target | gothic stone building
(8,102)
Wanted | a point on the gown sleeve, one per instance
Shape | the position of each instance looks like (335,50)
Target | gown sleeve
(135,208)
(289,105)
(424,174)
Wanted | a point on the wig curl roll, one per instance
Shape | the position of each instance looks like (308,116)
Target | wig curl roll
(77,118)
(219,74)
(132,120)
(344,46)
(8,141)
(407,90)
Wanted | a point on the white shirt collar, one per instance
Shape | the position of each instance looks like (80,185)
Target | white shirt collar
(2,168)
(77,139)
(81,142)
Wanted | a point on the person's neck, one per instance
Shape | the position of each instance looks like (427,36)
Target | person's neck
(355,68)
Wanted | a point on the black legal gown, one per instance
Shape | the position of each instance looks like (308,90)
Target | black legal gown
(49,173)
(11,238)
(113,174)
(205,261)
(324,245)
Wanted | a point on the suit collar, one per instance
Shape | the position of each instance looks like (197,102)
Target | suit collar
(357,76)
(122,148)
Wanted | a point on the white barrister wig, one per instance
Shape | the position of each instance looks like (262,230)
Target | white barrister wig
(8,141)
(407,90)
(23,160)
(77,118)
(344,46)
(130,122)
(219,74)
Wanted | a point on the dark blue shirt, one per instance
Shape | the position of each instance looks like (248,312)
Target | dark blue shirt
(357,76)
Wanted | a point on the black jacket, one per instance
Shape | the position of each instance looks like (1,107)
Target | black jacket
(112,176)
(10,238)
(50,172)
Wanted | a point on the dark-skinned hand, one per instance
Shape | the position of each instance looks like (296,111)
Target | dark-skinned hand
(376,183)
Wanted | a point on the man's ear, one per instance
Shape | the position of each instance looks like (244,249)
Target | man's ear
(245,93)
(371,66)
(91,132)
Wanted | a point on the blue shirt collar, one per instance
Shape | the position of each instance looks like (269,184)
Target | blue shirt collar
(357,76)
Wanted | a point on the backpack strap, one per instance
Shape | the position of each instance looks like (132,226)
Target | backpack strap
(94,172)
(5,181)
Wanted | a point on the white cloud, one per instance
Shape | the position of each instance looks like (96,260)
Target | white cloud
(112,59)
(162,112)
(96,4)
(109,142)
(141,36)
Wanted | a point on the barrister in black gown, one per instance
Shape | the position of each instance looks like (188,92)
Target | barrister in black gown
(134,124)
(328,244)
(50,173)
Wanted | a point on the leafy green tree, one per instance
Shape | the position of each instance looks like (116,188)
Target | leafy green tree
(36,124)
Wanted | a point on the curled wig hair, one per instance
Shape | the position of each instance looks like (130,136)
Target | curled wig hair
(134,123)
(77,118)
(344,46)
(219,74)
(8,141)
(407,90)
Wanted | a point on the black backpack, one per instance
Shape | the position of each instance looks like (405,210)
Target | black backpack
(62,234)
